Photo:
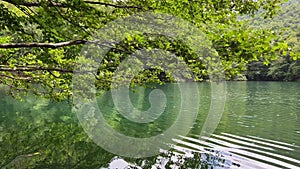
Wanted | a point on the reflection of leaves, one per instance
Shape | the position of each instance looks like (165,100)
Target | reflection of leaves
(65,118)
(59,140)
(20,161)
(89,117)
(56,145)
(186,159)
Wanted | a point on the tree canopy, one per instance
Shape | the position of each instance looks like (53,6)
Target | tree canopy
(40,41)
(286,67)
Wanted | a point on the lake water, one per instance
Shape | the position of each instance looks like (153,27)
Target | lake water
(259,128)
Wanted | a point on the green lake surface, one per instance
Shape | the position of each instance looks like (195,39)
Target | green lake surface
(259,128)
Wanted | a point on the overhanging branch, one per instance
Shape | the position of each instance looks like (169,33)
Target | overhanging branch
(112,5)
(42,45)
(32,69)
(64,5)
(109,45)
(34,4)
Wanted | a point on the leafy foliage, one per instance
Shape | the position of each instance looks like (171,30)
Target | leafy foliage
(286,67)
(48,72)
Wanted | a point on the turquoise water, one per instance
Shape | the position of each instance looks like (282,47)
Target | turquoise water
(259,128)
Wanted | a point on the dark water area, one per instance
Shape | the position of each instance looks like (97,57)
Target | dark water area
(259,128)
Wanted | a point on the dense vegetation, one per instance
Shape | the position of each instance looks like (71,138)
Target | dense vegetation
(285,67)
(41,40)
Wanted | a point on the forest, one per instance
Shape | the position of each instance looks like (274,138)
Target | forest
(284,68)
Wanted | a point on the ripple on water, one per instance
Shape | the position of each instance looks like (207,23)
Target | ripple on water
(223,150)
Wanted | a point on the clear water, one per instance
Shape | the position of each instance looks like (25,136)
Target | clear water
(260,128)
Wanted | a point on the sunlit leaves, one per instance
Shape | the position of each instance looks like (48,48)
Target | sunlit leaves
(236,43)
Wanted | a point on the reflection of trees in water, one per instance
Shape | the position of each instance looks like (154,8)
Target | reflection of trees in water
(65,145)
(52,145)
(38,133)
(174,160)
(62,145)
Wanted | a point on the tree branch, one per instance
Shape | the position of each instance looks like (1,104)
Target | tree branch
(59,13)
(112,5)
(64,5)
(48,69)
(31,69)
(34,4)
(42,45)
(60,44)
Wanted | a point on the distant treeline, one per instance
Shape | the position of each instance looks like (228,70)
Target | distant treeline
(285,68)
